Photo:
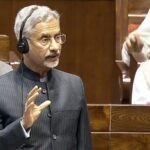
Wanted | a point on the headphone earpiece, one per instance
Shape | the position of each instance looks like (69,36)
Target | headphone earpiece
(22,45)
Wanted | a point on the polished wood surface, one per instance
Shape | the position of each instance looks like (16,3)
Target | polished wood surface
(4,47)
(130,118)
(100,120)
(128,127)
(130,141)
(101,141)
(121,25)
(138,6)
(135,19)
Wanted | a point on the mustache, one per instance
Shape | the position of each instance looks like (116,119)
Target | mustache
(53,53)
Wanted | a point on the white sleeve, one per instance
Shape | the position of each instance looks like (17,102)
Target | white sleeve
(26,133)
(126,58)
(140,91)
(125,55)
(146,51)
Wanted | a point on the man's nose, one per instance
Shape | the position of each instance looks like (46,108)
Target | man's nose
(54,45)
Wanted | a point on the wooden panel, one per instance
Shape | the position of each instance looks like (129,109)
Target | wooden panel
(121,25)
(130,118)
(4,47)
(91,39)
(101,141)
(130,141)
(137,11)
(6,25)
(6,22)
(124,84)
(139,6)
(135,19)
(99,118)
(129,127)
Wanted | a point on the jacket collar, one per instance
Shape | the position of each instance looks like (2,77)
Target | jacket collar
(28,73)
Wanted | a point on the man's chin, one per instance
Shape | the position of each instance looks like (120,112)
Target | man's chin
(51,64)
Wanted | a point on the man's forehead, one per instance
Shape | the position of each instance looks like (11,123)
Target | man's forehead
(50,25)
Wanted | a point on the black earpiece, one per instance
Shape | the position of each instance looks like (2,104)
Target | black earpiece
(22,45)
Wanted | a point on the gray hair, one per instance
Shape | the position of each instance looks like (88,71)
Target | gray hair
(40,14)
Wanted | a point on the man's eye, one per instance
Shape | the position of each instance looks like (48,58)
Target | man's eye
(58,38)
(44,40)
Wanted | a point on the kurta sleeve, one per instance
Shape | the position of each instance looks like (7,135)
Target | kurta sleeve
(12,136)
(141,85)
(145,51)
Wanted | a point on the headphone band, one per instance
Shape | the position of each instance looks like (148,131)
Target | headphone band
(24,22)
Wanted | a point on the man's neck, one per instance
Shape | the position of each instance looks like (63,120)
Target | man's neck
(40,70)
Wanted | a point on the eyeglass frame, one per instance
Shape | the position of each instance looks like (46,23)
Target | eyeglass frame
(49,39)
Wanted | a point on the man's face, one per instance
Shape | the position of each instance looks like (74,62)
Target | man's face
(44,50)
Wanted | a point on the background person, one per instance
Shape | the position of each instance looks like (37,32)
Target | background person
(138,41)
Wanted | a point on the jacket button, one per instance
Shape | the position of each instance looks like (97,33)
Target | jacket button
(23,145)
(54,137)
(44,91)
(49,115)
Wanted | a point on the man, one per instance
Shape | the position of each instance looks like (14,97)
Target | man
(4,68)
(42,108)
(138,41)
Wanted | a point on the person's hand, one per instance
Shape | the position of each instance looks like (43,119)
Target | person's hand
(32,111)
(134,43)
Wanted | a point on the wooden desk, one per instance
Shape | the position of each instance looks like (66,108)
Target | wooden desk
(120,127)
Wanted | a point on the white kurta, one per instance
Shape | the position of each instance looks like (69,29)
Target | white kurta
(126,58)
(144,32)
(141,85)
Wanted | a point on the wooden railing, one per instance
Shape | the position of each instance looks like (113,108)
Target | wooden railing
(120,127)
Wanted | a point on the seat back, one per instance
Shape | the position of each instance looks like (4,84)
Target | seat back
(4,48)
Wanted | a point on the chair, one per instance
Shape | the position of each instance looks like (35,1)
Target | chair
(4,48)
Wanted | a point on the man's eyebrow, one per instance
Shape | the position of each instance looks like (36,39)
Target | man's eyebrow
(45,35)
(48,35)
(57,33)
